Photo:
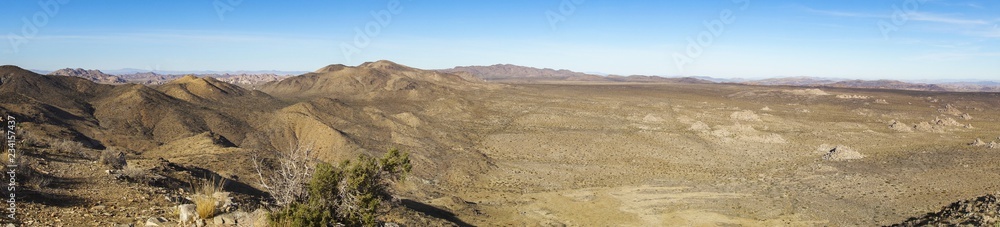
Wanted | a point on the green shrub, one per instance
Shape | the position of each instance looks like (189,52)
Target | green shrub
(351,194)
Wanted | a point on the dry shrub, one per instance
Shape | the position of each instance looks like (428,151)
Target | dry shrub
(66,146)
(286,182)
(113,158)
(134,173)
(28,138)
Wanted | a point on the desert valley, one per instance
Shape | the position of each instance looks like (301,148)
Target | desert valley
(507,145)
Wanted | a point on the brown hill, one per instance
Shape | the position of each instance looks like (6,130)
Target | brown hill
(92,75)
(139,117)
(69,93)
(212,92)
(369,80)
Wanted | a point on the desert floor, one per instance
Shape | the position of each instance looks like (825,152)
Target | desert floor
(588,154)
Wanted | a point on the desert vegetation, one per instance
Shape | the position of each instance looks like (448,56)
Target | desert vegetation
(353,193)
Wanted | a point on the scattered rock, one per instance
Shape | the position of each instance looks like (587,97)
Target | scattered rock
(224,202)
(225,219)
(978,143)
(158,221)
(993,145)
(842,153)
(881,101)
(187,212)
(980,211)
(251,219)
(766,109)
(899,126)
(947,122)
(951,110)
(966,116)
(927,127)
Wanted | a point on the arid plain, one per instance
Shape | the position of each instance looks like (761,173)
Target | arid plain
(538,153)
(709,154)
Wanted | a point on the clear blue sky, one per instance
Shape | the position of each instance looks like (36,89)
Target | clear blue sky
(939,40)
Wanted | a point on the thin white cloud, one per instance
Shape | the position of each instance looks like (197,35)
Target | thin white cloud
(994,33)
(916,16)
(842,13)
(929,17)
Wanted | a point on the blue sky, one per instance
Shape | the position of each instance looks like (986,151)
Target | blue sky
(869,39)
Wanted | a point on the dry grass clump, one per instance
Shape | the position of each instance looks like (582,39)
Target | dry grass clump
(206,199)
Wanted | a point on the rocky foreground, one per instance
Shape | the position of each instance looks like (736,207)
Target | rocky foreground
(982,211)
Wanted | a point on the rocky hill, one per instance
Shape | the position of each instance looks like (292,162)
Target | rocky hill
(339,112)
(249,79)
(92,75)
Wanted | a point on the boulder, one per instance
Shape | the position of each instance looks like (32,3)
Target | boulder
(978,143)
(227,219)
(899,126)
(158,221)
(188,213)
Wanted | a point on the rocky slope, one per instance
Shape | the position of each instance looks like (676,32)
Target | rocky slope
(981,211)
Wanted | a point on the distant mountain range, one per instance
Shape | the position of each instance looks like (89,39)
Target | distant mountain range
(973,86)
(516,73)
(156,78)
(202,72)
